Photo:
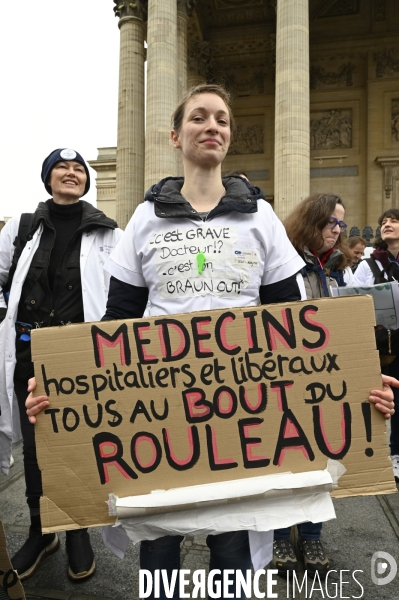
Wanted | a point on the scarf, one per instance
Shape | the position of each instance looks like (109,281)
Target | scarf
(323,271)
(389,263)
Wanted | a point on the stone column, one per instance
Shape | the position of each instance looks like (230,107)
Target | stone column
(105,165)
(130,149)
(184,11)
(160,157)
(291,160)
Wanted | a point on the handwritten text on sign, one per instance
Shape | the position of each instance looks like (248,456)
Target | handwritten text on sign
(188,399)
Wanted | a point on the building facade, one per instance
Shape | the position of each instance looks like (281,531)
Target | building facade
(316,97)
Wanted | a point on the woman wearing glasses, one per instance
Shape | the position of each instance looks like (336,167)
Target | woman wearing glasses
(315,230)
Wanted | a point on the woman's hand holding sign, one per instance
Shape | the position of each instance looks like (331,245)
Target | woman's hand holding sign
(383,399)
(35,405)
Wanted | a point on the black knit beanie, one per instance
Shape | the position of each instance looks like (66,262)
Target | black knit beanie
(60,155)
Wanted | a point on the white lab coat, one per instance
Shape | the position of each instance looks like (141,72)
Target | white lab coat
(96,246)
(365,276)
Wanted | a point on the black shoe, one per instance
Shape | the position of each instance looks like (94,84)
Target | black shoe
(314,556)
(284,558)
(36,548)
(80,555)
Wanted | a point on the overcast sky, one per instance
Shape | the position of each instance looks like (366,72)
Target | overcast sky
(59,88)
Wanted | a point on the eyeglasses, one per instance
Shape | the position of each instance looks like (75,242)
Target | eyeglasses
(333,222)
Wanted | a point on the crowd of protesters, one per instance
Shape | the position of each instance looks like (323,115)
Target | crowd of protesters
(51,273)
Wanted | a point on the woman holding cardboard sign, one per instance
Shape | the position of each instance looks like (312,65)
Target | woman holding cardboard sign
(180,252)
(199,243)
(202,129)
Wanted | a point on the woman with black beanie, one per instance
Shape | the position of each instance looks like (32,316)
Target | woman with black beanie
(50,274)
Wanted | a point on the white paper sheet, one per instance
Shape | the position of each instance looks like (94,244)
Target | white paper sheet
(261,546)
(116,540)
(214,494)
(256,516)
(290,502)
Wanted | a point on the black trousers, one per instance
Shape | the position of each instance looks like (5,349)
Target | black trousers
(33,476)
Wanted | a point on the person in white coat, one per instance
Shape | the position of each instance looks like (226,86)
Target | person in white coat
(51,273)
(383,265)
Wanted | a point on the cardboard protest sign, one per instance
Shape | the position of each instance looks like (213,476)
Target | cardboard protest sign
(182,400)
(10,585)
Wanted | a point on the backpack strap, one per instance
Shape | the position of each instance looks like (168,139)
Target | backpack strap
(378,274)
(25,226)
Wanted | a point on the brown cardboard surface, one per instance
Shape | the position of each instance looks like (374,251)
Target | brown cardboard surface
(182,400)
(9,580)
